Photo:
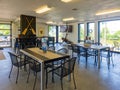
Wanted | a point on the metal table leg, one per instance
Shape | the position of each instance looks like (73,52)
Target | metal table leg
(98,59)
(42,76)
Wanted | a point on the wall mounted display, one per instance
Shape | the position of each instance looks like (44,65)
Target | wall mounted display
(66,28)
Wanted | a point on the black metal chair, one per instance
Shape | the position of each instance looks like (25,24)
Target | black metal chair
(62,50)
(97,43)
(38,42)
(35,67)
(51,48)
(81,51)
(56,63)
(17,45)
(18,62)
(75,49)
(65,69)
(106,53)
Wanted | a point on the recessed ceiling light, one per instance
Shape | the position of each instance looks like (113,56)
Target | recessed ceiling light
(66,1)
(50,22)
(68,19)
(108,12)
(43,9)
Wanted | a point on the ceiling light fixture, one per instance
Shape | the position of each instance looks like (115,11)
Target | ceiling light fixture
(68,19)
(50,22)
(66,1)
(43,9)
(108,12)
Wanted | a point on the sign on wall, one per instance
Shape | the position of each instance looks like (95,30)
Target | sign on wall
(28,25)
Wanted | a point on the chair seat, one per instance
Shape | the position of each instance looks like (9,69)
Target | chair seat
(36,68)
(65,71)
(19,64)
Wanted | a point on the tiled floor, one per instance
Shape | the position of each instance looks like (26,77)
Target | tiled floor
(87,78)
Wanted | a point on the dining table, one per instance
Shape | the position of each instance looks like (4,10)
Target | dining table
(98,48)
(43,58)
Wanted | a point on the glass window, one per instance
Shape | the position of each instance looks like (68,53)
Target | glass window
(91,30)
(4,26)
(110,33)
(61,34)
(52,31)
(81,34)
(55,31)
(5,32)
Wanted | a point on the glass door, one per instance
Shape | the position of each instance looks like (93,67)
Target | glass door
(91,30)
(52,31)
(81,32)
(110,33)
(5,32)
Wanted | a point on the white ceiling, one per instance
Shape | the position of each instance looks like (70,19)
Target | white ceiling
(86,9)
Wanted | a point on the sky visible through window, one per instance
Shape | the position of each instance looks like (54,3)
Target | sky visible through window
(110,33)
(113,26)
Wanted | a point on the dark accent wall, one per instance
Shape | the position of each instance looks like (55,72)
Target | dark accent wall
(28,26)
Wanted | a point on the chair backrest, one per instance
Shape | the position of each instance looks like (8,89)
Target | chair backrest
(98,43)
(34,66)
(38,42)
(70,46)
(82,49)
(75,48)
(51,48)
(69,65)
(14,58)
(63,51)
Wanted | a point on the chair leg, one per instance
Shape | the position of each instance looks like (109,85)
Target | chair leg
(78,58)
(46,78)
(95,62)
(112,61)
(52,73)
(28,76)
(25,68)
(10,71)
(17,76)
(35,81)
(61,84)
(72,53)
(74,80)
(108,62)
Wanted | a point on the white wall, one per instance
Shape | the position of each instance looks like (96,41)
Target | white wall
(15,32)
(41,28)
(74,35)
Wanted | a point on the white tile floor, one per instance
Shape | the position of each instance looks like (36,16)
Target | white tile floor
(87,78)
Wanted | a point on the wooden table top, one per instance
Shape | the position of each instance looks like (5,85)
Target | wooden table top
(41,56)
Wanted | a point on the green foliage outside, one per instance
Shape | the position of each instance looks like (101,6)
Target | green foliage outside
(4,32)
(108,38)
(4,29)
(82,32)
(4,26)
